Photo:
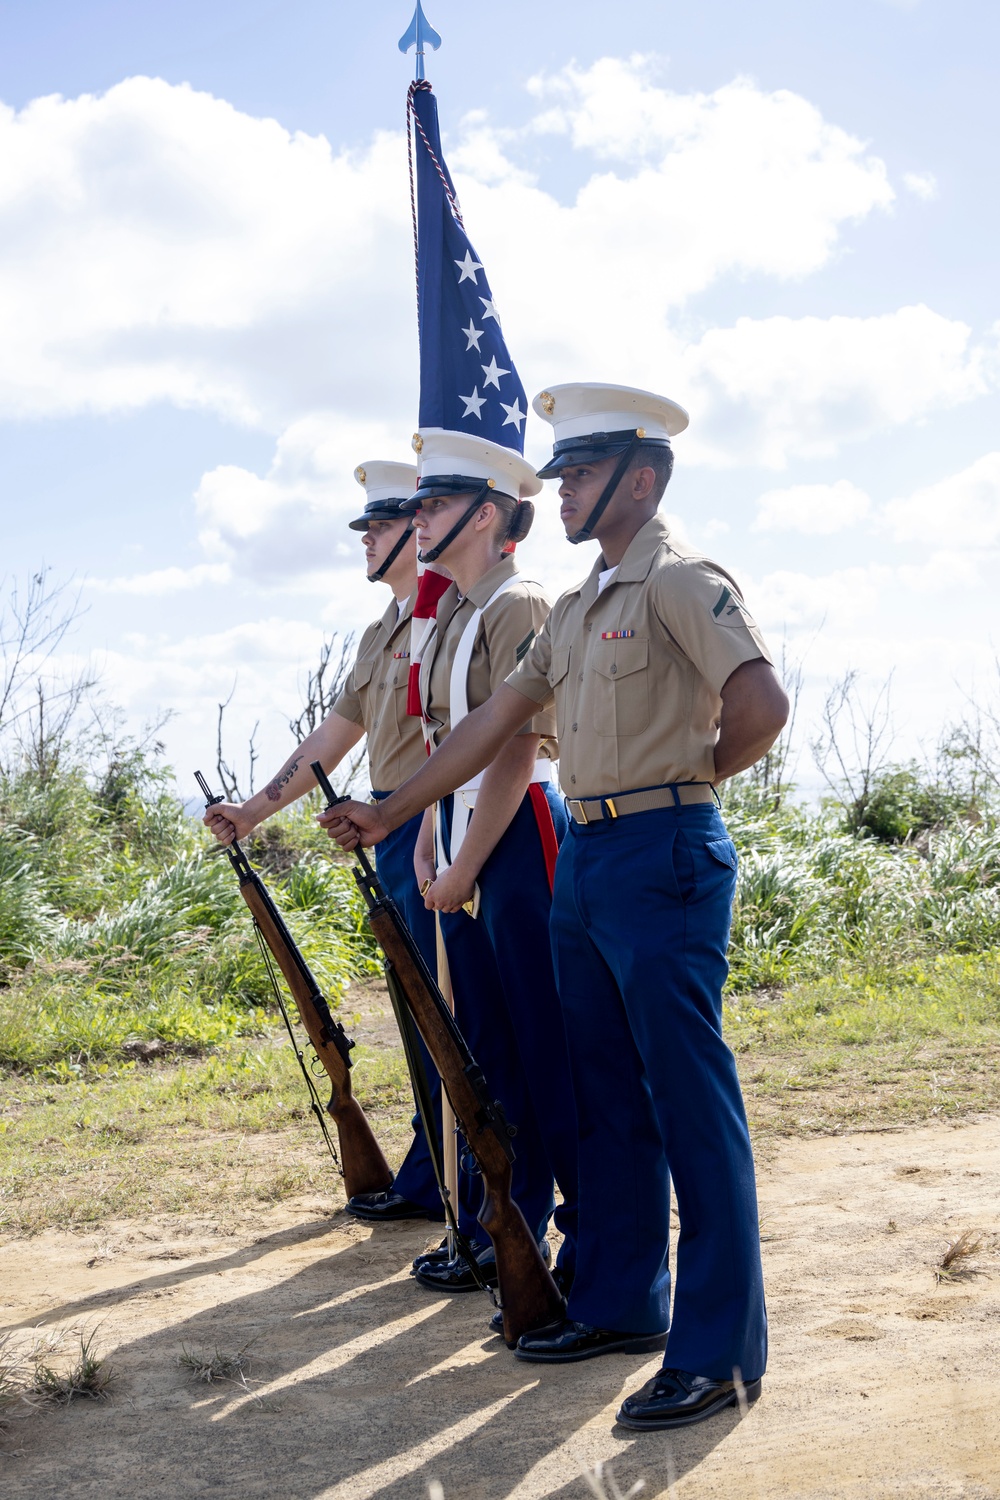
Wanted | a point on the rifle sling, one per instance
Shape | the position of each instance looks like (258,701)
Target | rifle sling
(425,1106)
(315,1103)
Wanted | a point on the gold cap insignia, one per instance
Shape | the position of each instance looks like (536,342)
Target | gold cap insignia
(640,432)
(418,443)
(360,474)
(547,402)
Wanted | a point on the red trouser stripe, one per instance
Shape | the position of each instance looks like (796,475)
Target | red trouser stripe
(546,828)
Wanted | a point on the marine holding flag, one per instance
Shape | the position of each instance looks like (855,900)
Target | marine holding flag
(495,840)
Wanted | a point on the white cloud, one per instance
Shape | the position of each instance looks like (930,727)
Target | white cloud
(921,184)
(164,580)
(738,179)
(769,389)
(158,244)
(948,569)
(813,509)
(785,599)
(963,510)
(293,522)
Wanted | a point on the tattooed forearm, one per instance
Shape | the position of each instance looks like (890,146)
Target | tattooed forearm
(273,789)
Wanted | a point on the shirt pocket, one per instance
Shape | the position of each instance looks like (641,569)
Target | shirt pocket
(559,666)
(620,686)
(362,681)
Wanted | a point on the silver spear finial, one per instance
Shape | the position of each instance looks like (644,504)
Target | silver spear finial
(420,34)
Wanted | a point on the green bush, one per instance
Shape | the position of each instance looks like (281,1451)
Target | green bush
(901,804)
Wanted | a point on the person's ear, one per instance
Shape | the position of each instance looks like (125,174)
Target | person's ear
(643,481)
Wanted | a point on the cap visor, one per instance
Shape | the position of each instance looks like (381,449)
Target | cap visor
(362,523)
(581,455)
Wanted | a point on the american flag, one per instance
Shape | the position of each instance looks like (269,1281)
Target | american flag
(468,382)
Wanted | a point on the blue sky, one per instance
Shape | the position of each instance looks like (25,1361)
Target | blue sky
(780,215)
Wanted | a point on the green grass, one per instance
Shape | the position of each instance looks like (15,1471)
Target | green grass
(953,996)
(864,993)
(205,1135)
(852,1051)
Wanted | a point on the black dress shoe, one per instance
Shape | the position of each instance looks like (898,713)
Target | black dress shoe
(382,1208)
(562,1280)
(673,1398)
(443,1275)
(560,1343)
(440,1252)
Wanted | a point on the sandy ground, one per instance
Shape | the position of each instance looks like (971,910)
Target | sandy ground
(882,1381)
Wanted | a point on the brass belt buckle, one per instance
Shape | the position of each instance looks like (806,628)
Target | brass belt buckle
(577,810)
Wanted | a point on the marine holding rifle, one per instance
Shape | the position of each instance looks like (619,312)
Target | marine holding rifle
(496,838)
(663,687)
(373,702)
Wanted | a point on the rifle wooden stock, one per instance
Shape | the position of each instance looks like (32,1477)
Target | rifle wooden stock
(529,1296)
(365,1168)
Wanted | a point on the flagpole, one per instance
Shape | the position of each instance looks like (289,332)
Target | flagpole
(449,1125)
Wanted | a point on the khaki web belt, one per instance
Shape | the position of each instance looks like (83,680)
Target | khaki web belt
(605,809)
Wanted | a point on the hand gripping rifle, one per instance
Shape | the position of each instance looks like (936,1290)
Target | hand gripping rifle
(364,1168)
(529,1298)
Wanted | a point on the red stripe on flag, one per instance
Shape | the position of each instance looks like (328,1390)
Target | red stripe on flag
(413,690)
(430,586)
(546,828)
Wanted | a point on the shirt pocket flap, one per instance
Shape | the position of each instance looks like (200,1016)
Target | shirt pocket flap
(620,658)
(363,672)
(723,850)
(559,666)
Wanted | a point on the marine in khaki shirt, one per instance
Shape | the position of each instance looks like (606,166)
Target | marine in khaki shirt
(636,670)
(374,697)
(373,701)
(505,634)
(659,681)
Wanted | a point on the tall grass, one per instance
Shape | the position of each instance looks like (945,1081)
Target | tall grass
(120,921)
(812,897)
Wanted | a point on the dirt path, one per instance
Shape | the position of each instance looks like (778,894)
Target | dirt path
(882,1380)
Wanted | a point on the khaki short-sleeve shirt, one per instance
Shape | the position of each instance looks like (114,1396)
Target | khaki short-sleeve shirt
(374,696)
(636,671)
(504,635)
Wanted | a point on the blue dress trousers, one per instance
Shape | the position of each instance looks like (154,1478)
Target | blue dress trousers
(640,925)
(517,1032)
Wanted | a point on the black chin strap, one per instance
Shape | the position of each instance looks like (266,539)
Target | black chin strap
(587,529)
(380,573)
(463,520)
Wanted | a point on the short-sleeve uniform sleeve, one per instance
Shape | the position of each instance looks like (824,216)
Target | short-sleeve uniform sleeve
(348,705)
(512,634)
(703,610)
(531,675)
